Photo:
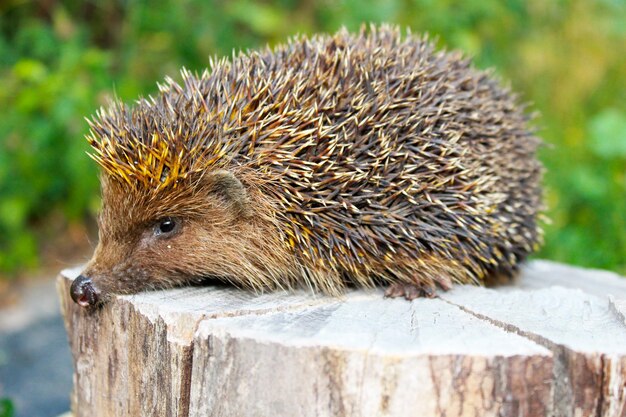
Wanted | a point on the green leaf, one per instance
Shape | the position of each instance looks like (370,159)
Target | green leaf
(263,19)
(588,183)
(608,134)
(13,212)
(29,70)
(6,408)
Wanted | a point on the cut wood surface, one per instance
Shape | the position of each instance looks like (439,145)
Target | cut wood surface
(551,344)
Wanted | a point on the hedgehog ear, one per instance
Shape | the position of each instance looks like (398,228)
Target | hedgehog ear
(227,185)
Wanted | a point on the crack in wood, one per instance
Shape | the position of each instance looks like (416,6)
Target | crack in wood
(571,370)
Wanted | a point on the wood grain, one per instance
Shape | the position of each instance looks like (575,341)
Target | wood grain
(552,344)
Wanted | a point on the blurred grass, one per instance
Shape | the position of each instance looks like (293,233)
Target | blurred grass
(6,408)
(59,60)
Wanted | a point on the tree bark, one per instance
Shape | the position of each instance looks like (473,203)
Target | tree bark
(552,344)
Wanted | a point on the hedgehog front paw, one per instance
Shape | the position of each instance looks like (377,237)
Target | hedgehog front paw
(410,291)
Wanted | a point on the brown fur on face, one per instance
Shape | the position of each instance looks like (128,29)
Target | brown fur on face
(222,230)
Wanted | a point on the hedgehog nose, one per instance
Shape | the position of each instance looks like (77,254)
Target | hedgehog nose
(83,291)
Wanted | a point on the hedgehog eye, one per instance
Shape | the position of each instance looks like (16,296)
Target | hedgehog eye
(166,226)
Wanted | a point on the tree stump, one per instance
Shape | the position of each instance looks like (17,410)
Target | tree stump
(552,344)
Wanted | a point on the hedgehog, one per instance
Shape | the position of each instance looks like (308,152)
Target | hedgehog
(354,159)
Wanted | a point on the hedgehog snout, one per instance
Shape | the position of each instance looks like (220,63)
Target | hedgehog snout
(83,292)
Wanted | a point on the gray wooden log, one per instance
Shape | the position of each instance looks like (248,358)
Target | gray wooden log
(552,344)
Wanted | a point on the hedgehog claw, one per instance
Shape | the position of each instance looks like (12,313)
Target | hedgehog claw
(409,291)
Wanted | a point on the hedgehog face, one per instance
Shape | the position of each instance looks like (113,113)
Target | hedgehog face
(168,238)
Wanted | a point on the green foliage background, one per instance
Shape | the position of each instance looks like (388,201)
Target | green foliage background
(59,60)
(6,408)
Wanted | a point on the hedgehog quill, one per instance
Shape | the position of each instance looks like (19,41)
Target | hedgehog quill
(348,159)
